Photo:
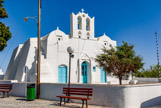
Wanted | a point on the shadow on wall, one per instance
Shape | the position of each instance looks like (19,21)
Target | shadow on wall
(32,72)
(15,72)
(152,102)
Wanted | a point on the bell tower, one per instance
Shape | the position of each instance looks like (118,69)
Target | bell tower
(81,25)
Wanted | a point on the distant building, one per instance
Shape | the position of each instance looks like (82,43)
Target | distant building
(1,72)
(55,58)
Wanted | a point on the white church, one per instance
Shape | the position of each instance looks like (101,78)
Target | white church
(55,58)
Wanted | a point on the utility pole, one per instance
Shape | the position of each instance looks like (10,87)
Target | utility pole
(38,52)
(157,52)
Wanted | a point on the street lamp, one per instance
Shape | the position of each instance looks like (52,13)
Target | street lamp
(70,50)
(26,18)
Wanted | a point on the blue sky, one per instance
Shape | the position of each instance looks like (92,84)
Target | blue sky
(134,21)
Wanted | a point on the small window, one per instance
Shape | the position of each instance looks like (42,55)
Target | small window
(87,24)
(94,68)
(79,23)
(105,43)
(59,39)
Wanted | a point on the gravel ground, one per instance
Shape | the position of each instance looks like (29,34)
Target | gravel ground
(20,102)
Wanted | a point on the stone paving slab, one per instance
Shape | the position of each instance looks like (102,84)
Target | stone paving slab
(20,102)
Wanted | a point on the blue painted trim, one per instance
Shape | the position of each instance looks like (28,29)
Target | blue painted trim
(94,68)
(62,74)
(84,72)
(103,75)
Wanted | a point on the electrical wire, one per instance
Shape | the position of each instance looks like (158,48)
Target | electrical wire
(82,48)
(13,41)
(50,12)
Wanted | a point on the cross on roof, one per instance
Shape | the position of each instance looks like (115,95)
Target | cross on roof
(82,10)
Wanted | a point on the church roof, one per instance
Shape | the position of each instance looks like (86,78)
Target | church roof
(54,32)
(103,36)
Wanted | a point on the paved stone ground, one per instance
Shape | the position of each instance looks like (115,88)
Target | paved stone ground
(20,102)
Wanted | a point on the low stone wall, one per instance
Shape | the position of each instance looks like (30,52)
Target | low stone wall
(7,81)
(120,96)
(124,96)
(18,89)
(102,94)
(1,77)
(146,80)
(144,95)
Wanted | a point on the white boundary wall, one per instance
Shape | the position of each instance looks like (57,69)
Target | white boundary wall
(124,96)
(146,80)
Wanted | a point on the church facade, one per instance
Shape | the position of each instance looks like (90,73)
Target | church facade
(55,58)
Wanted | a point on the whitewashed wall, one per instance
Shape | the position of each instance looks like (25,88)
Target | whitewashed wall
(146,80)
(144,95)
(124,96)
(18,89)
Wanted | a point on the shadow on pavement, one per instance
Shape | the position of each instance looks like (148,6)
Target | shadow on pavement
(151,102)
(67,105)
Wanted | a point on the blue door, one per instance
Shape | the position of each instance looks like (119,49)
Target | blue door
(103,76)
(84,72)
(62,74)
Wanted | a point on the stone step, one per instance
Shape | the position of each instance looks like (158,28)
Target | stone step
(43,63)
(44,68)
(42,53)
(43,60)
(42,57)
(44,72)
